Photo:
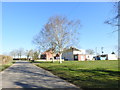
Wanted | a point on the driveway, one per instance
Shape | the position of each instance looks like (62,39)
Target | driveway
(23,74)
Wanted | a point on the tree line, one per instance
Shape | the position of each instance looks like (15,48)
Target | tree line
(28,54)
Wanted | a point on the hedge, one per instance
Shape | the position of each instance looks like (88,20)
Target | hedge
(5,59)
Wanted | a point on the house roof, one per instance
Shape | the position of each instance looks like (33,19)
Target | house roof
(49,51)
(72,48)
(65,49)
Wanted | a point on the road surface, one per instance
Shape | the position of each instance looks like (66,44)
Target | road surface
(23,74)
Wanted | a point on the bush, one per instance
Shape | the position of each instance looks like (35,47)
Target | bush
(5,59)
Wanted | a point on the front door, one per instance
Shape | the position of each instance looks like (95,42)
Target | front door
(76,57)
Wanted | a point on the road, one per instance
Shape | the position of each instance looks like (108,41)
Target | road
(23,74)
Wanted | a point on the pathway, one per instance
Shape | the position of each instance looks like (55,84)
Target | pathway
(26,75)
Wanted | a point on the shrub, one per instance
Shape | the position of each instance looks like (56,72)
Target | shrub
(5,59)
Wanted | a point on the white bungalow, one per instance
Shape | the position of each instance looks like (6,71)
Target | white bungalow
(74,54)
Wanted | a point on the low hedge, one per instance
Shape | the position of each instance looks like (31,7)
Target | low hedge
(20,59)
(5,59)
(5,62)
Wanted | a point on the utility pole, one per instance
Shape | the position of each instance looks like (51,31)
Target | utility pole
(102,50)
(96,51)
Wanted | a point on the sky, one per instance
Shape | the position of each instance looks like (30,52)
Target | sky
(21,21)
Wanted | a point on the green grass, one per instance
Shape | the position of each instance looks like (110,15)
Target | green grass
(85,74)
(3,67)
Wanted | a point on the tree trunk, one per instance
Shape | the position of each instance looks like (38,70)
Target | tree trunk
(53,59)
(20,56)
(39,55)
(46,57)
(60,61)
(14,56)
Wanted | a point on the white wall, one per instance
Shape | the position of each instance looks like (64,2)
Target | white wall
(82,58)
(112,57)
(89,57)
(83,51)
(79,52)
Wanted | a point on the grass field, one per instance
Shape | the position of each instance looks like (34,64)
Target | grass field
(85,74)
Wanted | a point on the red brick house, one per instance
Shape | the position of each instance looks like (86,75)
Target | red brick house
(48,55)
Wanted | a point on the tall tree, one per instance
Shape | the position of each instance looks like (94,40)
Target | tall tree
(40,40)
(20,52)
(29,53)
(13,53)
(35,55)
(115,21)
(59,33)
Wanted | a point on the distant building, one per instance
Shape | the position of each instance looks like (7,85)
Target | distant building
(89,57)
(48,55)
(74,54)
(106,57)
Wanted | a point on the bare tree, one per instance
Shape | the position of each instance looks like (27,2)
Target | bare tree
(13,53)
(114,21)
(41,41)
(90,51)
(29,53)
(35,55)
(17,53)
(53,49)
(39,51)
(59,33)
(20,52)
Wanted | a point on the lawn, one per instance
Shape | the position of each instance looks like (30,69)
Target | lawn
(85,74)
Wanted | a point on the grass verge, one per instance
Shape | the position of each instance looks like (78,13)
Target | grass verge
(85,74)
(3,67)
